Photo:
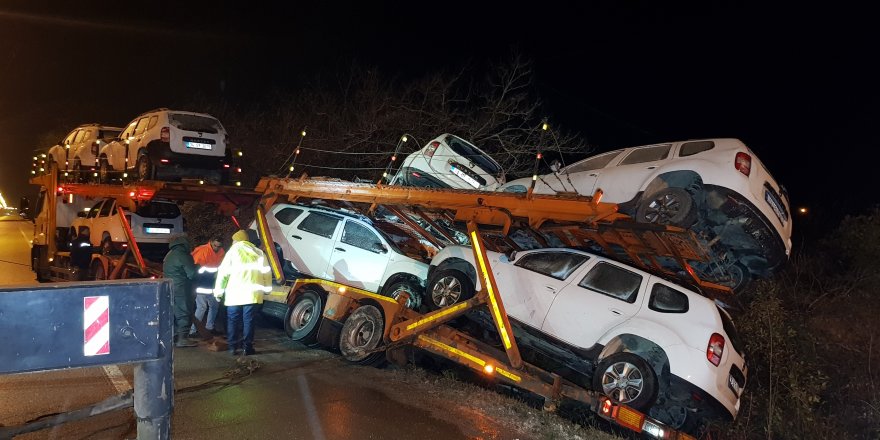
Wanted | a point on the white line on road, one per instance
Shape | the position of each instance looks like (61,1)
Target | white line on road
(117,378)
(311,411)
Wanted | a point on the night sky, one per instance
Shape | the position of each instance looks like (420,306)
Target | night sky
(799,86)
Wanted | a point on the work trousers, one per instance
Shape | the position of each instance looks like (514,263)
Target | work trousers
(206,304)
(183,308)
(240,325)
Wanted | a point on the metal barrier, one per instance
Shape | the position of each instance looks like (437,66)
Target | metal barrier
(62,326)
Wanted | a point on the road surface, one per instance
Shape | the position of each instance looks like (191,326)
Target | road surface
(15,250)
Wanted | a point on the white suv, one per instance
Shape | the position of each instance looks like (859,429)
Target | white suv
(77,153)
(716,187)
(152,224)
(450,162)
(350,249)
(168,144)
(638,338)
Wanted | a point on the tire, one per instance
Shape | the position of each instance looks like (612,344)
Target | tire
(78,176)
(145,169)
(447,287)
(626,378)
(104,170)
(415,291)
(107,247)
(96,271)
(669,206)
(740,276)
(361,333)
(304,316)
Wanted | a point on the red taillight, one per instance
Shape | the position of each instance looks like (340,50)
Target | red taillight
(163,160)
(715,349)
(743,163)
(225,165)
(432,147)
(165,134)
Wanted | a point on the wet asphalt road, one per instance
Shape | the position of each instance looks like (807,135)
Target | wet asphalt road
(296,393)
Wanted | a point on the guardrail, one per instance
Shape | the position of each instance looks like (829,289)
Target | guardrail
(64,326)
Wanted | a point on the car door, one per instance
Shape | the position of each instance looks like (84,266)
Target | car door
(622,182)
(600,297)
(312,242)
(138,140)
(105,222)
(284,216)
(117,150)
(581,177)
(529,289)
(91,222)
(359,257)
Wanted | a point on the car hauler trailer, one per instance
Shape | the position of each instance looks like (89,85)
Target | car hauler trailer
(60,202)
(369,328)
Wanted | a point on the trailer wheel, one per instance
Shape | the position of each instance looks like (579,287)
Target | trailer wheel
(414,290)
(448,287)
(361,334)
(144,167)
(97,272)
(626,378)
(669,206)
(303,317)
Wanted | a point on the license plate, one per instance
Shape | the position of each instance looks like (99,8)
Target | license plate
(198,145)
(734,386)
(470,180)
(774,205)
(156,230)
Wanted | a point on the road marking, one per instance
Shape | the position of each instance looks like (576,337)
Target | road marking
(311,411)
(117,378)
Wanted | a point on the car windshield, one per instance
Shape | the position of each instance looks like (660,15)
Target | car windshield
(471,153)
(159,210)
(188,122)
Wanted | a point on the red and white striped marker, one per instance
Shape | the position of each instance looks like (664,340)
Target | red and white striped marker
(96,325)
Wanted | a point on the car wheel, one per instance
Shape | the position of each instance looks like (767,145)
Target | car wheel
(103,170)
(107,245)
(144,168)
(447,287)
(669,206)
(414,290)
(361,334)
(97,272)
(78,172)
(626,378)
(303,317)
(740,276)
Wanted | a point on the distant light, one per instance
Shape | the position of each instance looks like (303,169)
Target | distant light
(42,169)
(201,182)
(802,210)
(43,155)
(404,138)
(291,168)
(240,153)
(237,183)
(489,369)
(124,174)
(131,194)
(384,174)
(304,133)
(35,157)
(544,126)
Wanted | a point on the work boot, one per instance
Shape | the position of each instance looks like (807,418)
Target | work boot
(184,342)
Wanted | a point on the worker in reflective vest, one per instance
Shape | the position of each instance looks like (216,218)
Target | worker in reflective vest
(208,257)
(243,278)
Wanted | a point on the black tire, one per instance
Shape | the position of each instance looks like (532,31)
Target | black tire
(447,287)
(669,206)
(304,316)
(740,276)
(616,377)
(144,168)
(97,272)
(104,170)
(414,289)
(362,333)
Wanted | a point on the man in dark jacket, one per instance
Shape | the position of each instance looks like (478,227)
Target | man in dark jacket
(81,253)
(180,268)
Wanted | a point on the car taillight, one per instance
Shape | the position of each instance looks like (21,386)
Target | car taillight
(165,134)
(715,349)
(743,163)
(432,147)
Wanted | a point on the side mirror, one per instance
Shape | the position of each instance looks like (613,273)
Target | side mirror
(511,255)
(380,248)
(81,214)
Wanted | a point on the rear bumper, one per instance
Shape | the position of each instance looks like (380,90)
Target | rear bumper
(161,156)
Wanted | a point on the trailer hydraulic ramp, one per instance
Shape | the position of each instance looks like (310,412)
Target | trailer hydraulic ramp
(572,220)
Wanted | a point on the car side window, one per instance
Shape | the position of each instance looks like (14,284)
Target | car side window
(107,209)
(647,154)
(613,281)
(86,136)
(665,299)
(153,120)
(95,210)
(287,215)
(692,148)
(360,236)
(141,126)
(79,137)
(593,163)
(69,139)
(319,224)
(558,265)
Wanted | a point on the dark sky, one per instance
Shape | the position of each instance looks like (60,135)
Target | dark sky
(799,85)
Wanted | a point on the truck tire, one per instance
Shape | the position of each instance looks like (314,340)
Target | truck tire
(361,333)
(404,285)
(304,316)
(669,206)
(626,378)
(447,287)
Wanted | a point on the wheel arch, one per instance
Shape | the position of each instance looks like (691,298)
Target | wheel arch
(460,265)
(648,350)
(685,179)
(402,276)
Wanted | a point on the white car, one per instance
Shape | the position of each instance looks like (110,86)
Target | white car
(450,162)
(716,187)
(166,145)
(77,153)
(152,224)
(348,248)
(655,345)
